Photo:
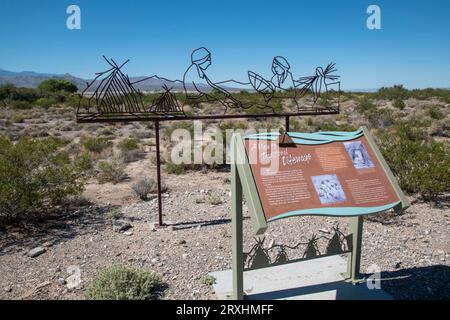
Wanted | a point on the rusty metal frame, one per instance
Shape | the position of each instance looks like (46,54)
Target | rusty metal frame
(117,101)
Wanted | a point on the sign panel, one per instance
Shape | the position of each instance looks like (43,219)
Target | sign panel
(324,173)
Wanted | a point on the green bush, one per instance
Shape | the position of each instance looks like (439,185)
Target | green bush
(176,169)
(56,85)
(144,186)
(365,104)
(123,283)
(96,145)
(399,104)
(421,167)
(208,280)
(111,171)
(129,144)
(20,105)
(397,92)
(35,175)
(435,113)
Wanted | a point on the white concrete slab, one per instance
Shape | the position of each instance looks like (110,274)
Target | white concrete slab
(317,279)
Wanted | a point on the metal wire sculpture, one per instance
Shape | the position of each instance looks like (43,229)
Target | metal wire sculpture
(111,95)
(260,257)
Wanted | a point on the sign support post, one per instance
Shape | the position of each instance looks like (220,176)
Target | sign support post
(158,174)
(237,237)
(354,256)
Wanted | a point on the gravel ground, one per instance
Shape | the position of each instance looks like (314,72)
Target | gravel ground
(412,250)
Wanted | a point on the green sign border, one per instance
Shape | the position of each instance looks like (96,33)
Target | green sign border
(252,195)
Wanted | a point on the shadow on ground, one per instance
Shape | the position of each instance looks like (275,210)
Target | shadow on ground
(59,226)
(422,283)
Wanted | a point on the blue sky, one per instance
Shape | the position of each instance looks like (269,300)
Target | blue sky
(412,48)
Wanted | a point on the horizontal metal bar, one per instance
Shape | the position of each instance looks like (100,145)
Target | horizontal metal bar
(89,118)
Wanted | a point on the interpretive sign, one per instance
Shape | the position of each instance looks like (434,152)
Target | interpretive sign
(340,174)
(325,173)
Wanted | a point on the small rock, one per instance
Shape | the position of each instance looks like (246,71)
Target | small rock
(185,256)
(397,265)
(8,289)
(62,281)
(427,232)
(182,242)
(128,233)
(36,252)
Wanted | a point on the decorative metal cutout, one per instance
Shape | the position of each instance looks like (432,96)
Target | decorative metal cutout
(276,254)
(111,96)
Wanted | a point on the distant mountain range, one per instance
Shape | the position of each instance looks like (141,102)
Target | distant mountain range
(31,79)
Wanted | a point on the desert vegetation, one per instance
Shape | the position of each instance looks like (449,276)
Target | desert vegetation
(47,160)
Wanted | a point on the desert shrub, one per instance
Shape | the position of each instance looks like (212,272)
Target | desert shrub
(144,186)
(46,102)
(399,104)
(35,175)
(129,144)
(421,167)
(114,214)
(128,156)
(141,134)
(186,125)
(85,163)
(107,131)
(123,283)
(111,171)
(271,124)
(233,125)
(96,145)
(397,92)
(18,118)
(435,113)
(56,85)
(365,104)
(208,280)
(214,199)
(20,105)
(173,168)
(380,118)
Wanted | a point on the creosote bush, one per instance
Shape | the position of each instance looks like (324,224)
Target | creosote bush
(422,167)
(129,144)
(36,175)
(96,145)
(123,283)
(111,171)
(144,186)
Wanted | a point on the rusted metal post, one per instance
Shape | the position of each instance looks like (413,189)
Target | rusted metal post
(287,123)
(158,174)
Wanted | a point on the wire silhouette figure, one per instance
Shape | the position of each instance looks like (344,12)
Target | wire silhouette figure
(322,80)
(114,93)
(196,76)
